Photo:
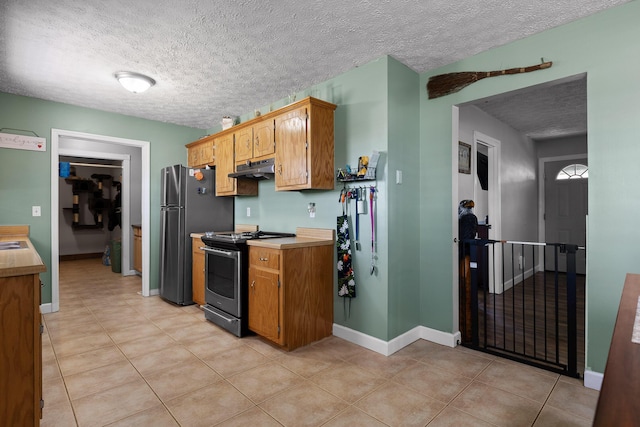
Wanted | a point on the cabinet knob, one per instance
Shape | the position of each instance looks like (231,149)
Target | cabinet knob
(257,140)
(253,284)
(264,259)
(280,169)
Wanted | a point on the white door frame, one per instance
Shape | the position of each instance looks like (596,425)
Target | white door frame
(455,133)
(56,135)
(496,284)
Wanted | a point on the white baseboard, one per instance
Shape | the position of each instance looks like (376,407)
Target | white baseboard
(387,348)
(130,272)
(46,308)
(154,292)
(593,379)
(518,279)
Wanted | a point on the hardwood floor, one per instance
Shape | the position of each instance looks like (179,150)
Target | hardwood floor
(521,321)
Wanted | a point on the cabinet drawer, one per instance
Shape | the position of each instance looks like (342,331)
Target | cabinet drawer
(264,258)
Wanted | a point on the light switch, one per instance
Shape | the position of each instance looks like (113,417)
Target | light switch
(398,177)
(35,211)
(248,211)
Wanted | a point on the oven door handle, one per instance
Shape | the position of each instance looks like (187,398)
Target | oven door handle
(218,251)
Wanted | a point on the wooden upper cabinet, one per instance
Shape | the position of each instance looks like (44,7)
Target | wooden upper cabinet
(225,164)
(255,142)
(264,143)
(244,144)
(291,155)
(225,186)
(305,146)
(299,136)
(201,153)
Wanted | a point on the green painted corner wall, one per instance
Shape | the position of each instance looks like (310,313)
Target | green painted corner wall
(603,46)
(360,126)
(404,218)
(25,175)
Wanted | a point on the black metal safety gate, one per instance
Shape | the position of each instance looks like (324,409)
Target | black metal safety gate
(524,314)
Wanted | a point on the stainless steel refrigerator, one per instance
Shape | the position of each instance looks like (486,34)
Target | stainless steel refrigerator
(188,205)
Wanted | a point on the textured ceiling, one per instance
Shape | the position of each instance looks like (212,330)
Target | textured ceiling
(546,111)
(215,58)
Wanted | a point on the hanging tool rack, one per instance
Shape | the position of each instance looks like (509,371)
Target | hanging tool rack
(363,195)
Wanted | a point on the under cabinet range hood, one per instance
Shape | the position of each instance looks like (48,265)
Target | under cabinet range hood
(260,169)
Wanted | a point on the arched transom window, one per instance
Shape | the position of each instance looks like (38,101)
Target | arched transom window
(575,171)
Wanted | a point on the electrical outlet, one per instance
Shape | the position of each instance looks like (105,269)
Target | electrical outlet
(248,211)
(35,211)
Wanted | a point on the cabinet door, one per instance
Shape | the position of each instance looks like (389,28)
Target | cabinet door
(291,148)
(225,165)
(264,139)
(264,303)
(244,144)
(197,272)
(208,153)
(193,156)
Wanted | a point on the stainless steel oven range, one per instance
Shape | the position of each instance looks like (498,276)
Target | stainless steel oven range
(227,277)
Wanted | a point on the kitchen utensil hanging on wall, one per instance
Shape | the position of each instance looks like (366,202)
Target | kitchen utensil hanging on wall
(355,194)
(372,192)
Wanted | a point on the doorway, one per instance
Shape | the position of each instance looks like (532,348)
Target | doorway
(63,140)
(564,203)
(489,205)
(550,112)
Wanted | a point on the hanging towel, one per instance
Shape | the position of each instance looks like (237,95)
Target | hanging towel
(346,279)
(65,168)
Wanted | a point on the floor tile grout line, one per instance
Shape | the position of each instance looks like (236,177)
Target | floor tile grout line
(420,353)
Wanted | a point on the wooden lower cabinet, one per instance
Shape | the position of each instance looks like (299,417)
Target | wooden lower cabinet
(197,273)
(20,351)
(137,248)
(290,294)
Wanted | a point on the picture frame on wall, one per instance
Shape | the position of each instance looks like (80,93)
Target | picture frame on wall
(464,158)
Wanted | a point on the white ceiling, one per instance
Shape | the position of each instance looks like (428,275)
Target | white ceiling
(224,57)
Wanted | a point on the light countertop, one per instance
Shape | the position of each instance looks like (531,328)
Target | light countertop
(289,242)
(20,262)
(305,237)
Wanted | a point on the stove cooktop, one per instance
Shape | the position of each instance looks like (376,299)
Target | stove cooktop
(234,237)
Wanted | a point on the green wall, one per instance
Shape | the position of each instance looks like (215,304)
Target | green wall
(404,217)
(25,175)
(605,47)
(360,122)
(383,106)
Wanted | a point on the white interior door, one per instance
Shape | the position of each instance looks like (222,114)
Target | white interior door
(565,213)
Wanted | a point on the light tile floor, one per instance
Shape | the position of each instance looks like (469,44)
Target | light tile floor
(113,357)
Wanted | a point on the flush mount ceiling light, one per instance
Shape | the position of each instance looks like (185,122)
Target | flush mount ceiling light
(134,82)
